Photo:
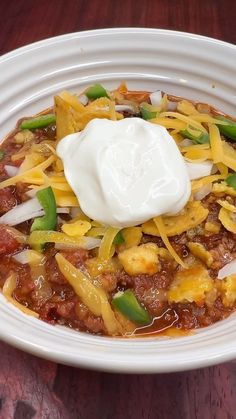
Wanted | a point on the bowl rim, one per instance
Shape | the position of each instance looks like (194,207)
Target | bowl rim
(81,360)
(104,31)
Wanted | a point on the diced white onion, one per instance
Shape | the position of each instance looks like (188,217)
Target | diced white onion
(204,191)
(83,99)
(198,170)
(60,220)
(172,106)
(22,212)
(156,98)
(31,193)
(75,212)
(87,243)
(84,243)
(214,169)
(26,211)
(63,210)
(186,142)
(11,170)
(22,257)
(123,108)
(227,270)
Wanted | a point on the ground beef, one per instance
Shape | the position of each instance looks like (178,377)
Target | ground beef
(65,308)
(77,257)
(72,313)
(63,305)
(192,316)
(150,290)
(53,273)
(8,199)
(91,323)
(7,265)
(108,281)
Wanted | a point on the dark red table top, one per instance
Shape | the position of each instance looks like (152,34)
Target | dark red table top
(35,388)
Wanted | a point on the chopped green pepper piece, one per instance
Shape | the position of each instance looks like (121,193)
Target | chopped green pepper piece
(147,111)
(231,181)
(127,304)
(119,239)
(96,91)
(2,154)
(49,220)
(38,122)
(202,138)
(228,130)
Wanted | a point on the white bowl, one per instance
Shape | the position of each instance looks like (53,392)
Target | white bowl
(183,64)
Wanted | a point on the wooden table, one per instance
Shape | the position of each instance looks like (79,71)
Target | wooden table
(34,388)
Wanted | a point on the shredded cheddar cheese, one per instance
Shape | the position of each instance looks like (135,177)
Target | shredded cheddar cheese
(191,216)
(97,231)
(162,231)
(76,228)
(169,123)
(187,108)
(216,143)
(93,297)
(33,175)
(204,118)
(184,118)
(105,249)
(7,290)
(198,184)
(198,154)
(73,117)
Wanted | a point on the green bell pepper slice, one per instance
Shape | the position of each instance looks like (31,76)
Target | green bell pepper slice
(119,239)
(38,122)
(128,305)
(231,180)
(229,130)
(49,220)
(147,111)
(96,91)
(202,138)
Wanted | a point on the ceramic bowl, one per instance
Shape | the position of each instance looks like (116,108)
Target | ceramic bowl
(183,64)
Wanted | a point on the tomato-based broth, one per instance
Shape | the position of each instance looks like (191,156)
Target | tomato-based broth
(81,247)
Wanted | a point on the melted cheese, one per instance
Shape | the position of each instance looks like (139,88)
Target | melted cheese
(184,118)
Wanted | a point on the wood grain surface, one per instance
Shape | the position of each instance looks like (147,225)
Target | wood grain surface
(35,388)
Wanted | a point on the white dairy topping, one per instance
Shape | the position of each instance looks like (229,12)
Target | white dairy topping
(125,172)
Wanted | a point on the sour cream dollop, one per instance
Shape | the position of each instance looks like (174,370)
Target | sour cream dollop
(125,172)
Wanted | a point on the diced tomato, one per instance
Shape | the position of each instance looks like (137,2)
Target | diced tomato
(8,244)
